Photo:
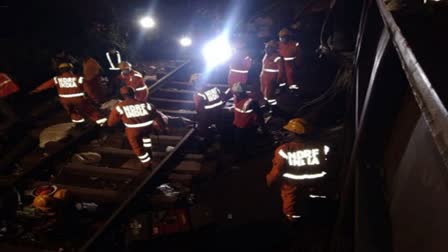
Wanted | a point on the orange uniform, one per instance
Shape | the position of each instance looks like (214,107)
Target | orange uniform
(295,164)
(72,97)
(95,86)
(246,113)
(270,76)
(247,118)
(7,86)
(139,119)
(135,80)
(96,89)
(290,52)
(239,69)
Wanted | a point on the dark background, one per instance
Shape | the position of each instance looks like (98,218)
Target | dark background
(32,32)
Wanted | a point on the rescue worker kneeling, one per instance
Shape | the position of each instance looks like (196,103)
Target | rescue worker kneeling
(140,118)
(71,95)
(298,166)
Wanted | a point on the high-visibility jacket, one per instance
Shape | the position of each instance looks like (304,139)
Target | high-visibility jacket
(7,86)
(271,76)
(239,69)
(272,63)
(135,80)
(69,85)
(114,60)
(297,162)
(208,99)
(290,50)
(246,113)
(133,113)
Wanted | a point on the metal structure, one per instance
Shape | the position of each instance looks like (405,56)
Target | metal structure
(395,183)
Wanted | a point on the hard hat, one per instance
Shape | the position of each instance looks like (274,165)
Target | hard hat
(127,91)
(284,32)
(42,202)
(124,65)
(237,88)
(296,125)
(65,65)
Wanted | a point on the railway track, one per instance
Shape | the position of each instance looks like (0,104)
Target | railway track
(104,191)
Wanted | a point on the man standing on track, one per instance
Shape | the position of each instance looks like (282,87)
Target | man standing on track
(240,64)
(140,118)
(298,165)
(290,52)
(271,72)
(71,95)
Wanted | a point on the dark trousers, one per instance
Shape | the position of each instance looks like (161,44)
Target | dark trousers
(244,142)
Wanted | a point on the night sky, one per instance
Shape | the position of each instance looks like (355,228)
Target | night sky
(34,31)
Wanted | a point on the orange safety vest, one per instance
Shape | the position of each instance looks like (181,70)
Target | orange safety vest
(136,114)
(303,162)
(244,115)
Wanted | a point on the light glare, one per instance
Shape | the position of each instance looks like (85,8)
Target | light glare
(185,41)
(147,22)
(217,51)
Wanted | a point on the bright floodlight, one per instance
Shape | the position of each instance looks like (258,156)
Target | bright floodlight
(185,41)
(217,51)
(147,22)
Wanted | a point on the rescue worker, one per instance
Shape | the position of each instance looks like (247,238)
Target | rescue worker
(95,85)
(271,72)
(71,95)
(290,52)
(133,79)
(140,119)
(240,64)
(298,165)
(209,102)
(248,118)
(114,59)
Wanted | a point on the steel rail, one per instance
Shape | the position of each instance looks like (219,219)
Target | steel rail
(429,102)
(116,214)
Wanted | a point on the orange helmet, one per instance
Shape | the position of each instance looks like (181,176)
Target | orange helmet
(42,202)
(284,32)
(296,125)
(65,65)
